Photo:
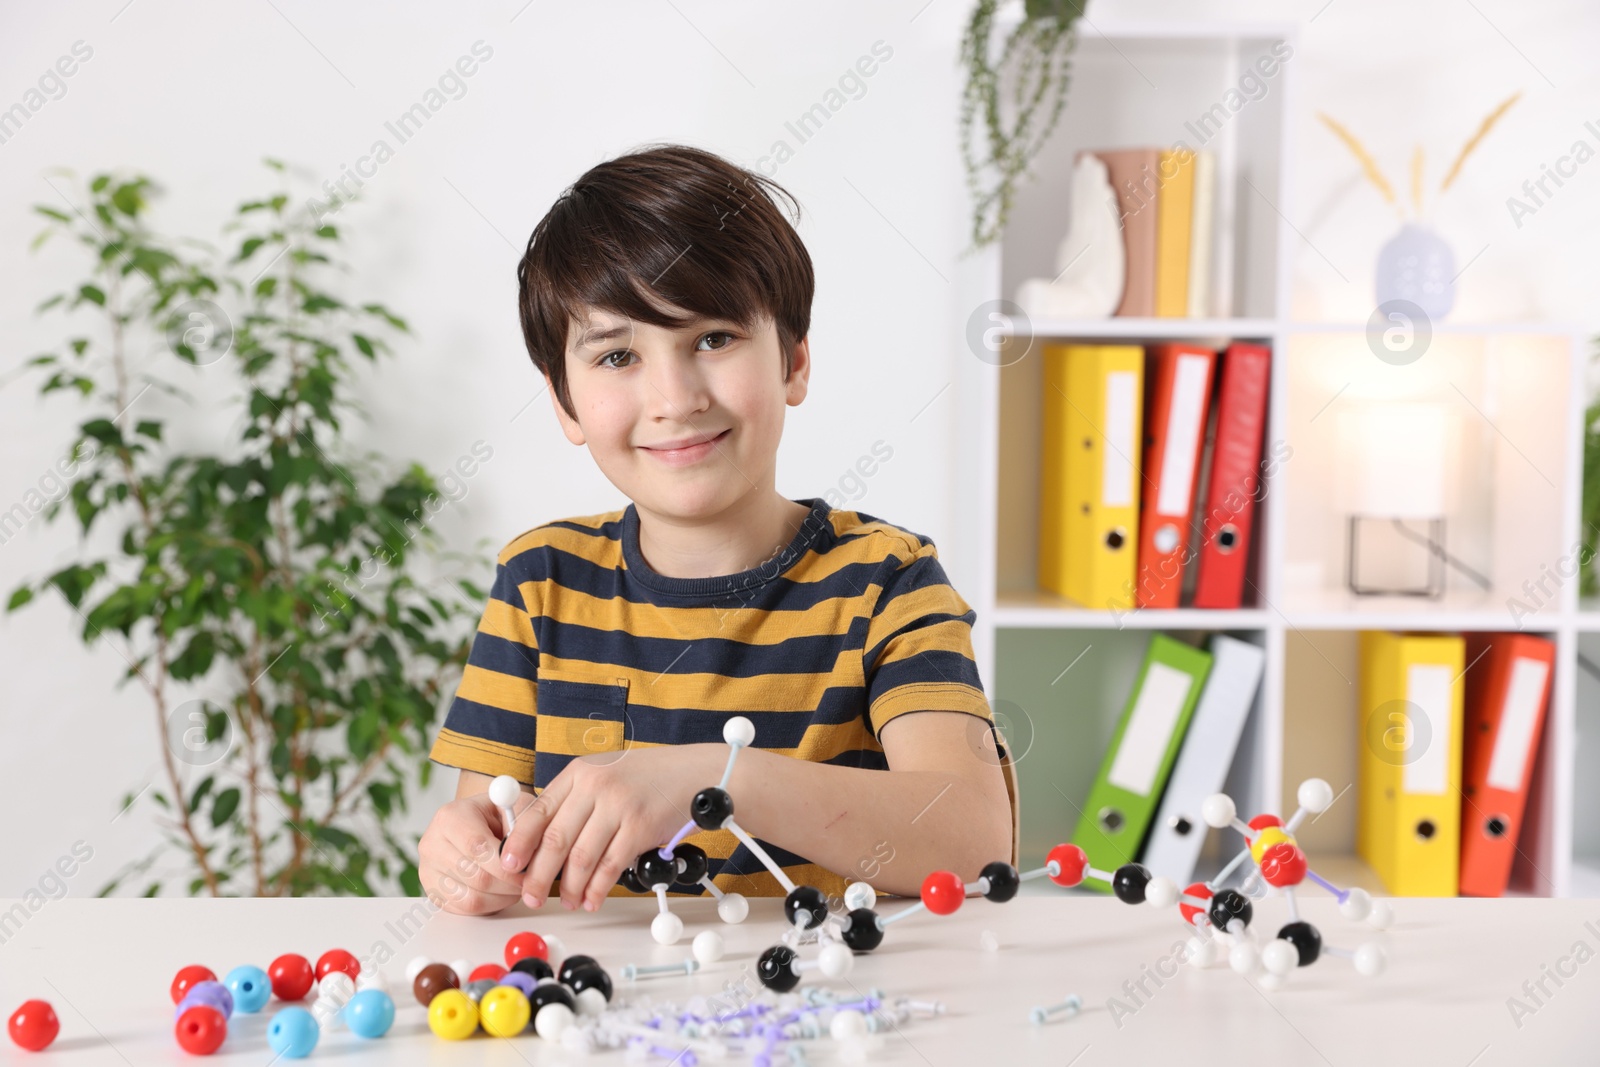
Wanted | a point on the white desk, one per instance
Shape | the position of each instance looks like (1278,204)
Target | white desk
(106,966)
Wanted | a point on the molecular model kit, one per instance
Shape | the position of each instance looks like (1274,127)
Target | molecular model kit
(570,999)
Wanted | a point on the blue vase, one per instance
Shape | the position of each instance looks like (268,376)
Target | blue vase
(1417,265)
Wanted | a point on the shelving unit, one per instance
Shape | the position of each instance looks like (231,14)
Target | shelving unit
(1058,674)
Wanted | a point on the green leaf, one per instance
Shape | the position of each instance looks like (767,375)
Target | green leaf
(21,596)
(150,428)
(365,345)
(248,249)
(52,213)
(223,807)
(92,294)
(100,183)
(200,792)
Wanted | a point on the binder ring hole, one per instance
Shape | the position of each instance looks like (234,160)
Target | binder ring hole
(1426,829)
(1497,825)
(1227,538)
(1116,538)
(1111,819)
(1181,826)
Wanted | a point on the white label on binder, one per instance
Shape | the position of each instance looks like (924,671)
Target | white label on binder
(1116,460)
(1428,691)
(1517,718)
(1144,742)
(1184,430)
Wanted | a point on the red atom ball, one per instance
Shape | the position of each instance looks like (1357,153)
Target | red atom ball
(943,892)
(1283,864)
(1071,864)
(291,976)
(34,1025)
(492,971)
(1200,891)
(201,1029)
(188,978)
(1261,822)
(523,945)
(337,959)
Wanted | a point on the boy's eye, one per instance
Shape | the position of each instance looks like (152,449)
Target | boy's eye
(714,341)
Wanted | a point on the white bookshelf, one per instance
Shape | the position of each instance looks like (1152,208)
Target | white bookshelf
(1060,673)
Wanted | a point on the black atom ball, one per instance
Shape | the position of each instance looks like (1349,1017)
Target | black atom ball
(1130,881)
(805,907)
(630,881)
(861,930)
(572,965)
(591,977)
(776,969)
(1306,939)
(546,993)
(694,864)
(711,808)
(652,870)
(534,967)
(1230,905)
(1003,881)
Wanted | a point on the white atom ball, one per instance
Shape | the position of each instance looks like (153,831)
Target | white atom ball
(1315,795)
(739,731)
(666,928)
(553,1020)
(463,969)
(847,1024)
(836,960)
(1218,810)
(1382,915)
(591,1002)
(1357,905)
(859,895)
(1203,951)
(414,968)
(1161,892)
(1280,957)
(1244,958)
(708,947)
(733,908)
(1370,960)
(504,790)
(337,987)
(1270,981)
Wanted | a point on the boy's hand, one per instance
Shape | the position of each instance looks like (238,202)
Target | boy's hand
(600,812)
(458,859)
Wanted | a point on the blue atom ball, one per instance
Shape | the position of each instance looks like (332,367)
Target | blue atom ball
(292,1033)
(251,988)
(369,1013)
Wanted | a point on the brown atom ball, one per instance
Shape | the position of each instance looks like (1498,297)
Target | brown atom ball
(432,980)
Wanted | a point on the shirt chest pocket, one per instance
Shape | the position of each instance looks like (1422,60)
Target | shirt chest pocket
(579,714)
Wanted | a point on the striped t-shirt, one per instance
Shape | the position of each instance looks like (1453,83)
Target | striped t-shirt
(584,649)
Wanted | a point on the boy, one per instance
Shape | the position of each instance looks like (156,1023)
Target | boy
(666,300)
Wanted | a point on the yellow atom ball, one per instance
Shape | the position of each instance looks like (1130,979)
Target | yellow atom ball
(1265,839)
(452,1015)
(504,1011)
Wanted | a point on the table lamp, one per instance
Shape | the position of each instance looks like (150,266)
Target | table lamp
(1394,473)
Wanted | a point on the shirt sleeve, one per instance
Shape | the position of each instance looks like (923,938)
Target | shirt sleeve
(918,654)
(490,725)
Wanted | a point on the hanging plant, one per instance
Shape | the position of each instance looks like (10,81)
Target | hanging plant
(1034,65)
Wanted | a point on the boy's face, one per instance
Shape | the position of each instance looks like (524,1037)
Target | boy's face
(638,387)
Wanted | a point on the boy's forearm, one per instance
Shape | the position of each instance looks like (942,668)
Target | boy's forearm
(889,828)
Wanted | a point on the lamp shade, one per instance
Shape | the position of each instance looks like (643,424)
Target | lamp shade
(1393,459)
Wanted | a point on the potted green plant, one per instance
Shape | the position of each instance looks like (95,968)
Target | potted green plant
(241,574)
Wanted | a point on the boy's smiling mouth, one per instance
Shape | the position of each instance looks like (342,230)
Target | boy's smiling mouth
(686,450)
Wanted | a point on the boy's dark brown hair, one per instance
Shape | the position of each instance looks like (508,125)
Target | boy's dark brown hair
(670,225)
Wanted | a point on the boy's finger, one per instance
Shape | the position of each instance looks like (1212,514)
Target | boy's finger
(554,844)
(533,815)
(585,856)
(618,855)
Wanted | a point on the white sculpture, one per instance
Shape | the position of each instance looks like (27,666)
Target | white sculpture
(1089,260)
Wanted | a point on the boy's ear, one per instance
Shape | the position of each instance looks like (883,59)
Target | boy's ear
(799,373)
(569,426)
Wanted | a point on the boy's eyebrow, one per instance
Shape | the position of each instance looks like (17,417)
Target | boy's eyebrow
(596,333)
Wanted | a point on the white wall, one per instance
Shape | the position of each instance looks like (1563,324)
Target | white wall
(196,94)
